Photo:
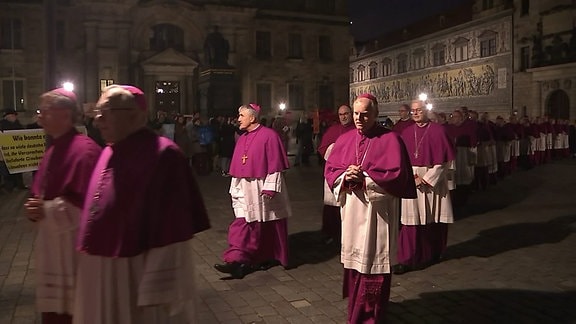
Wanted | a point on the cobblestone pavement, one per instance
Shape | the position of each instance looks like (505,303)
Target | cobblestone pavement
(511,259)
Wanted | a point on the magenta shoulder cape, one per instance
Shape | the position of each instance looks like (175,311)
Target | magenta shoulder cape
(142,195)
(66,168)
(332,135)
(433,142)
(263,154)
(384,158)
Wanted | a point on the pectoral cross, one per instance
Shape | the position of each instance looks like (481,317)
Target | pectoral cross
(244,158)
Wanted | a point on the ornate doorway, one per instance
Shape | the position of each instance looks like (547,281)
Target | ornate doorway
(558,105)
(167,96)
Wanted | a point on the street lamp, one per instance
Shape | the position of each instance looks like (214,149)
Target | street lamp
(68,86)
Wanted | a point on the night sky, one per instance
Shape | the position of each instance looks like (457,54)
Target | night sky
(371,18)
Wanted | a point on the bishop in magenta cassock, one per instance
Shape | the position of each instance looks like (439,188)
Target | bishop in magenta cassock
(258,236)
(331,222)
(463,133)
(424,229)
(405,119)
(369,171)
(143,206)
(57,198)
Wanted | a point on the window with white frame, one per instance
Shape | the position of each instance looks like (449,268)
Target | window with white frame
(461,49)
(386,67)
(104,83)
(402,63)
(263,44)
(326,95)
(325,48)
(296,96)
(13,94)
(524,58)
(419,58)
(294,45)
(264,96)
(439,55)
(361,73)
(488,47)
(11,33)
(487,4)
(373,70)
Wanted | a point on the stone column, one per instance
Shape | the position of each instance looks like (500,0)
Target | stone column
(150,91)
(537,108)
(91,83)
(190,100)
(123,55)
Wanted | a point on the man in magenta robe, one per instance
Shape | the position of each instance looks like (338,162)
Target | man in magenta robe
(504,135)
(258,236)
(424,229)
(462,133)
(142,208)
(55,205)
(405,119)
(331,222)
(369,171)
(484,157)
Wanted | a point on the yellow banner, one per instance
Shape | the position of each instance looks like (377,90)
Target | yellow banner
(23,149)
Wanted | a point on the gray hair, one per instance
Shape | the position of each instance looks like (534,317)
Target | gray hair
(251,110)
(55,99)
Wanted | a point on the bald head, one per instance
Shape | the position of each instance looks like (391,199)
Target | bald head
(345,115)
(120,112)
(365,113)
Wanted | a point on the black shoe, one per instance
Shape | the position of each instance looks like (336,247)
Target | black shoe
(227,267)
(235,269)
(399,269)
(267,265)
(242,270)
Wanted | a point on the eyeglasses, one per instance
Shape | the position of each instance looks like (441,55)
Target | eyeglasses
(108,110)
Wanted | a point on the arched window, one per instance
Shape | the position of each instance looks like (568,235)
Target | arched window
(402,63)
(419,57)
(461,49)
(487,43)
(439,54)
(373,70)
(165,36)
(361,73)
(386,67)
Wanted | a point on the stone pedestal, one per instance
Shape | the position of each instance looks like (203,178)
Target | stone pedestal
(219,92)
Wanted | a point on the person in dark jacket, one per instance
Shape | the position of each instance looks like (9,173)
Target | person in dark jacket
(10,181)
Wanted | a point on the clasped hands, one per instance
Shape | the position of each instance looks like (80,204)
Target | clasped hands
(33,209)
(420,183)
(268,194)
(354,176)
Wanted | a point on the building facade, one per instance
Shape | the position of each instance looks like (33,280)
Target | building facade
(545,56)
(187,56)
(496,56)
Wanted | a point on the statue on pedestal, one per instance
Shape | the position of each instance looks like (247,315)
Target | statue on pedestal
(216,49)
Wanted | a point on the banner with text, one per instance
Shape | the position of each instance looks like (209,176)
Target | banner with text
(23,149)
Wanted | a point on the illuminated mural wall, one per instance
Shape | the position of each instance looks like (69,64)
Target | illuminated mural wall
(471,81)
(480,80)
